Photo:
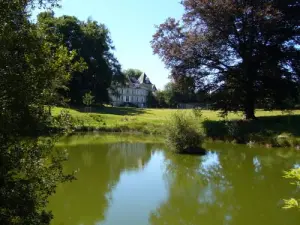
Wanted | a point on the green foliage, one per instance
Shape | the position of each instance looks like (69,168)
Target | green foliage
(65,122)
(62,64)
(167,98)
(151,100)
(183,133)
(175,93)
(32,72)
(295,175)
(88,99)
(160,98)
(170,94)
(135,73)
(29,173)
(276,131)
(93,45)
(197,113)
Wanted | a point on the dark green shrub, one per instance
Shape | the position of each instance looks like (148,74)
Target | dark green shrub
(183,133)
(65,121)
(30,169)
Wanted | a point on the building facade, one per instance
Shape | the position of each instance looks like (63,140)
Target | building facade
(134,92)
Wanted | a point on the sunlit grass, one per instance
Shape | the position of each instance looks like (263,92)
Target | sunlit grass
(154,121)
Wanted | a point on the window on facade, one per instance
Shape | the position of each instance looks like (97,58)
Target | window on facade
(127,98)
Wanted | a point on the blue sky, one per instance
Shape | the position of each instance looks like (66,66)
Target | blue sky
(131,23)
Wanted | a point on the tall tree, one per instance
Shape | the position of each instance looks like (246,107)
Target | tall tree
(160,98)
(29,71)
(93,45)
(245,50)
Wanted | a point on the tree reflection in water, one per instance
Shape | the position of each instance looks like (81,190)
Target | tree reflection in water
(233,186)
(86,200)
(136,183)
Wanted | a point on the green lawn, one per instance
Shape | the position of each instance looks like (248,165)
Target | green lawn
(132,118)
(153,120)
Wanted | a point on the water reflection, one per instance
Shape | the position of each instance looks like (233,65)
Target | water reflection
(236,186)
(129,155)
(85,201)
(139,183)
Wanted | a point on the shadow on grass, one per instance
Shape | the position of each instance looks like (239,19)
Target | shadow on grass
(263,129)
(122,111)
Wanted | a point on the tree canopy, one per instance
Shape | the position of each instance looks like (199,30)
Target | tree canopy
(93,45)
(244,52)
(32,71)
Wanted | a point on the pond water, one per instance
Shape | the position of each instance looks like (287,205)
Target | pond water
(132,180)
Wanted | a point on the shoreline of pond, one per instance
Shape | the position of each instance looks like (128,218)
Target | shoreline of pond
(269,130)
(87,131)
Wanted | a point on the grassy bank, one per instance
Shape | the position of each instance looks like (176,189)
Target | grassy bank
(100,138)
(272,128)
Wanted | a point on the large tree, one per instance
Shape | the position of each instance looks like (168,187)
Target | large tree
(246,51)
(31,72)
(91,40)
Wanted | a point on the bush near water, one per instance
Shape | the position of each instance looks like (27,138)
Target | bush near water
(183,134)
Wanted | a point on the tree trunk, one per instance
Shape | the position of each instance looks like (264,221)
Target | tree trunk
(250,97)
(249,103)
(249,111)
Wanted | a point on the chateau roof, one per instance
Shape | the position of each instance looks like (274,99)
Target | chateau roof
(144,79)
(136,83)
(154,87)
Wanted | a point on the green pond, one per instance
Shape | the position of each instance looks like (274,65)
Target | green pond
(130,180)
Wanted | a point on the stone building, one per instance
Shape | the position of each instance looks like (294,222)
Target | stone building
(134,92)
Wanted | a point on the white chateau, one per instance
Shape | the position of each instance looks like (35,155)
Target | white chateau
(135,91)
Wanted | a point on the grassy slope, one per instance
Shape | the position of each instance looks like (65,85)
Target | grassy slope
(134,119)
(153,120)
